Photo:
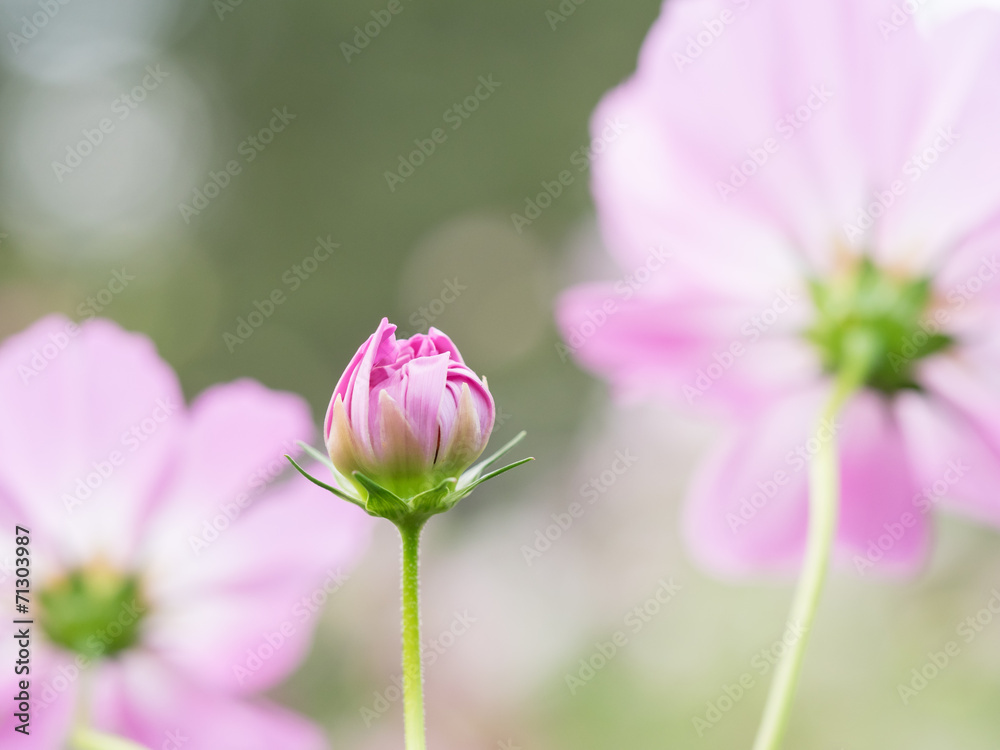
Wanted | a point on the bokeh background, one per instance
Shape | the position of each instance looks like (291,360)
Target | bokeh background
(186,85)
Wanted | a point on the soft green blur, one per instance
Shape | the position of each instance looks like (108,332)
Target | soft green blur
(440,248)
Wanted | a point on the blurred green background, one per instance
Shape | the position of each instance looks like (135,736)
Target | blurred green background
(440,248)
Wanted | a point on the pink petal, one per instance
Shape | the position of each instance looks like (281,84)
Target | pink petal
(858,95)
(442,343)
(356,379)
(235,445)
(954,436)
(144,701)
(425,385)
(694,347)
(825,107)
(86,440)
(252,590)
(950,175)
(748,506)
(880,521)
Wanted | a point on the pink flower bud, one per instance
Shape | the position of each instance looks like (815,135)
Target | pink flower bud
(408,414)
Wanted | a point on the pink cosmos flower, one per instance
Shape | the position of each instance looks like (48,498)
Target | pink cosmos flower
(408,413)
(167,581)
(790,173)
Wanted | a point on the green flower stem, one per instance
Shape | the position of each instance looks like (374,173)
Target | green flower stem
(824,506)
(87,739)
(413,671)
(83,738)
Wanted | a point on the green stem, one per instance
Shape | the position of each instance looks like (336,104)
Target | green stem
(824,506)
(82,737)
(87,739)
(413,673)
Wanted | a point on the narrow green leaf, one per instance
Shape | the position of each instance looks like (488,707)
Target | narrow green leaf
(339,493)
(317,454)
(498,472)
(471,475)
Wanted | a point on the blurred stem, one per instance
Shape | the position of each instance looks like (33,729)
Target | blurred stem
(861,351)
(87,739)
(83,738)
(413,672)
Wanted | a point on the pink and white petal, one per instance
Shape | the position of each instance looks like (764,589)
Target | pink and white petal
(647,203)
(379,346)
(143,700)
(92,417)
(949,178)
(747,508)
(222,595)
(967,287)
(965,414)
(880,519)
(692,347)
(237,437)
(958,468)
(421,402)
(825,111)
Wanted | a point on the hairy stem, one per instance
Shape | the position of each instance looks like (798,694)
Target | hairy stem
(413,673)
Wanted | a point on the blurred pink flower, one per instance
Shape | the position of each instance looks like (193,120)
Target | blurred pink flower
(789,172)
(164,517)
(408,413)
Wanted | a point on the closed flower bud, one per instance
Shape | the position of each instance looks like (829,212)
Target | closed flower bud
(408,414)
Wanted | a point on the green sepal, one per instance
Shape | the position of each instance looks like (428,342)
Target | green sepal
(381,502)
(432,501)
(384,503)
